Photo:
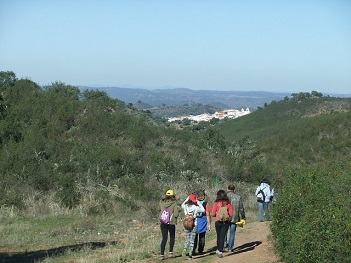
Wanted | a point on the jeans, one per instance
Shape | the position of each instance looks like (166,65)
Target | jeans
(201,239)
(263,211)
(165,228)
(232,231)
(221,231)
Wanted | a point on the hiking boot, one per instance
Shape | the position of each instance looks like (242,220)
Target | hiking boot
(184,254)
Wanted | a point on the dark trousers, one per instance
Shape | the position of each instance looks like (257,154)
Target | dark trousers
(199,238)
(221,231)
(165,228)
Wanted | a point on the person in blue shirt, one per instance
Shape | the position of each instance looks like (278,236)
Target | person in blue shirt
(203,223)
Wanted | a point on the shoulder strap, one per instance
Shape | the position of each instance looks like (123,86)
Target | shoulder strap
(186,210)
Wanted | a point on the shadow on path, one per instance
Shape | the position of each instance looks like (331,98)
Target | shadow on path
(246,247)
(32,256)
(240,249)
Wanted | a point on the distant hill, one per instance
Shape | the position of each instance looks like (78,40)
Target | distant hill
(181,96)
(290,133)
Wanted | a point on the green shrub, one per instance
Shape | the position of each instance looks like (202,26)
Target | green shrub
(311,219)
(68,193)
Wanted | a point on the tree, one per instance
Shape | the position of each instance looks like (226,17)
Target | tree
(316,94)
(7,79)
(2,106)
(213,139)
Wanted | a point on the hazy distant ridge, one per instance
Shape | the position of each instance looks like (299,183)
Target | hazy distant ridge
(181,96)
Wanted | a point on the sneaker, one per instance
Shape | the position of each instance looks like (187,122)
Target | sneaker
(190,258)
(170,255)
(219,254)
(162,257)
(184,253)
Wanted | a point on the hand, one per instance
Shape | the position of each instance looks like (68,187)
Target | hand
(208,228)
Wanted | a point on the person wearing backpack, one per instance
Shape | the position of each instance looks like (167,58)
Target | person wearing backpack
(191,208)
(203,223)
(168,219)
(263,196)
(239,215)
(222,210)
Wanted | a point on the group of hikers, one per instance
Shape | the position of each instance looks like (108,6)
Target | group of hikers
(227,210)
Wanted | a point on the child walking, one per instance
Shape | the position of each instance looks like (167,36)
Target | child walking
(203,223)
(168,218)
(220,224)
(191,206)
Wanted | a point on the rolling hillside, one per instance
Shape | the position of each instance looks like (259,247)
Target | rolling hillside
(292,133)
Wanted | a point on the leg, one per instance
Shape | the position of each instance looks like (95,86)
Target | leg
(187,239)
(164,232)
(223,232)
(265,209)
(191,241)
(260,211)
(232,230)
(195,243)
(217,226)
(171,237)
(201,242)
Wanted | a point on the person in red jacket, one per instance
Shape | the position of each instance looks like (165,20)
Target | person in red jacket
(222,200)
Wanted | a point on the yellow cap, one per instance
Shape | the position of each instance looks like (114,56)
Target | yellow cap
(170,193)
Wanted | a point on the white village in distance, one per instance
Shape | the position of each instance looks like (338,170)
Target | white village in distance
(230,114)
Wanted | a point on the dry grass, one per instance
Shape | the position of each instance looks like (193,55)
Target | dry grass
(47,232)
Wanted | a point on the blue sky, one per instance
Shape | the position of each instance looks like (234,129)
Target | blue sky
(278,46)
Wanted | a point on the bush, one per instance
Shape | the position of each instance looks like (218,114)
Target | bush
(312,219)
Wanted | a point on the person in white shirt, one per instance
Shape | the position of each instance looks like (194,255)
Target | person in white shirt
(191,206)
(263,200)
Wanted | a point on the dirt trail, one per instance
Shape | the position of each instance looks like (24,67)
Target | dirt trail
(251,246)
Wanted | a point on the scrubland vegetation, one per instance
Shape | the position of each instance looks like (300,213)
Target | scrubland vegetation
(82,173)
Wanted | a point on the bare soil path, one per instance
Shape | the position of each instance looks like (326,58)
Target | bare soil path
(251,246)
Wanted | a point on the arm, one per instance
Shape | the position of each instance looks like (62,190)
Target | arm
(241,210)
(230,210)
(176,210)
(214,210)
(183,204)
(208,217)
(257,189)
(267,192)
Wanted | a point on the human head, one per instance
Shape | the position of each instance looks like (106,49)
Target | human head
(170,192)
(201,195)
(231,187)
(222,196)
(192,198)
